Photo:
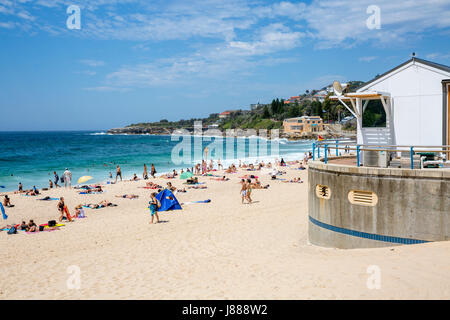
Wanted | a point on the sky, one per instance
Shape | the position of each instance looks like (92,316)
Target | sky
(132,61)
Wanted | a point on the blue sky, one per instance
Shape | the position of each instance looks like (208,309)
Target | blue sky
(140,60)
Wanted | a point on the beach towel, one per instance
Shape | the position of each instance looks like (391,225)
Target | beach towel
(48,199)
(91,192)
(200,201)
(168,201)
(3,211)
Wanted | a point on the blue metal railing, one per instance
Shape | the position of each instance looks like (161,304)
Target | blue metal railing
(352,145)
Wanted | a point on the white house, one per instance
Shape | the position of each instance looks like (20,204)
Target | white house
(416,99)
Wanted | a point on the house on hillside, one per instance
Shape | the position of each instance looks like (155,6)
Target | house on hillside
(224,114)
(303,124)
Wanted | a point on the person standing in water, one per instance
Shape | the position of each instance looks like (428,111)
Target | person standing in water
(154,207)
(118,173)
(56,179)
(145,174)
(153,172)
(67,178)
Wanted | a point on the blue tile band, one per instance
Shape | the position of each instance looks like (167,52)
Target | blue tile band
(365,235)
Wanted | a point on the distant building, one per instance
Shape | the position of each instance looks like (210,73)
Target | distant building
(224,114)
(320,96)
(213,126)
(303,124)
(255,106)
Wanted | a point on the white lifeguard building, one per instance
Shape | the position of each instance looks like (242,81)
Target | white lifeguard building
(415,98)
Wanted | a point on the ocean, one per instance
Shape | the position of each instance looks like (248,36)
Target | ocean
(31,157)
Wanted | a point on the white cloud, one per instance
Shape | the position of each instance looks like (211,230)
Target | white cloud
(92,63)
(343,22)
(367,59)
(7,25)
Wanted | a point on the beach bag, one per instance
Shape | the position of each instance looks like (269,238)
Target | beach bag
(52,223)
(41,228)
(13,230)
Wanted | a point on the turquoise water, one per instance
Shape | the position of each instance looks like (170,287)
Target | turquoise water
(31,157)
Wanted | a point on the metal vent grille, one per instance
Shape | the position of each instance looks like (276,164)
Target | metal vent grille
(323,192)
(364,198)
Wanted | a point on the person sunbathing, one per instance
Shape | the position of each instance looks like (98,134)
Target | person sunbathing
(192,180)
(257,185)
(167,176)
(97,189)
(32,192)
(295,180)
(128,196)
(170,187)
(197,187)
(79,212)
(23,226)
(152,185)
(31,226)
(101,204)
(220,179)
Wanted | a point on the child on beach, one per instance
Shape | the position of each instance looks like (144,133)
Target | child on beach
(249,190)
(154,206)
(243,190)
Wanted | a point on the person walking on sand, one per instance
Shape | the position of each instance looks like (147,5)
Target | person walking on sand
(153,171)
(145,174)
(67,178)
(249,190)
(243,190)
(56,179)
(154,207)
(118,173)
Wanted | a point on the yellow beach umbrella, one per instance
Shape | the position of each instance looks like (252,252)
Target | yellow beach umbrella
(84,179)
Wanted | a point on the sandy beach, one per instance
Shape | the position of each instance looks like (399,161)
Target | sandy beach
(217,250)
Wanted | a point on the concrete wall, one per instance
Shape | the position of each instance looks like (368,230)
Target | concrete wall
(412,205)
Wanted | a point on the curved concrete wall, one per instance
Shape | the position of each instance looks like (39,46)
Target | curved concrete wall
(413,206)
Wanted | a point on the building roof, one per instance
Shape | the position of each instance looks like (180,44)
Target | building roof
(225,113)
(413,59)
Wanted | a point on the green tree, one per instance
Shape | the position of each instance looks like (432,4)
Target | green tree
(266,113)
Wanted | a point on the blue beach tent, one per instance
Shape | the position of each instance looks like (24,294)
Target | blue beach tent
(168,201)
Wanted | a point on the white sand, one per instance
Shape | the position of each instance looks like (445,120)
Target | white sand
(220,250)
